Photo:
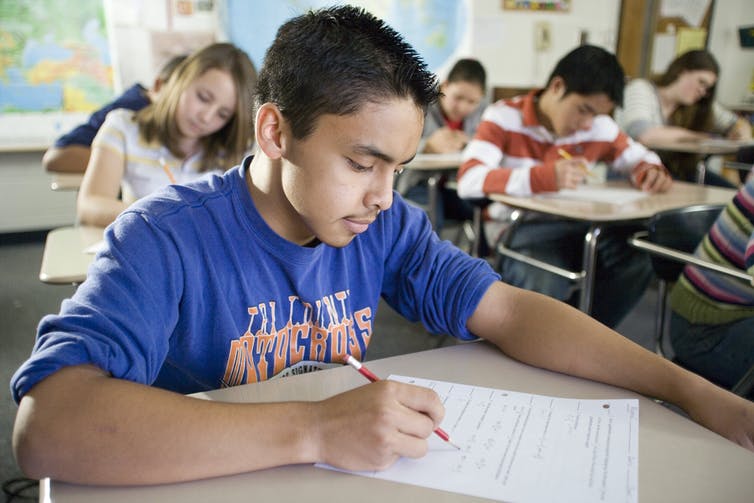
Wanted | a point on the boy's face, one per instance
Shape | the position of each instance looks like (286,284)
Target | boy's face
(341,176)
(566,114)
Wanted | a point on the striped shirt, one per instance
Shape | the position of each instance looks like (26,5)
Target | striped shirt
(512,153)
(145,163)
(709,298)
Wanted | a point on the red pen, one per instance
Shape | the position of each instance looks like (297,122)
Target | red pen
(373,378)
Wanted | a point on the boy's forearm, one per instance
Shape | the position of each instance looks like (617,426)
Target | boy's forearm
(81,426)
(546,333)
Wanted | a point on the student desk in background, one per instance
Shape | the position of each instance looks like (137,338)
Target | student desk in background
(602,214)
(434,166)
(65,181)
(679,461)
(65,259)
(704,148)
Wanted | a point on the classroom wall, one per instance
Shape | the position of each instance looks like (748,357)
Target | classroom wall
(504,40)
(736,64)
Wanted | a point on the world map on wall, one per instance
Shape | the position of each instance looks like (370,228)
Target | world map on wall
(433,27)
(53,56)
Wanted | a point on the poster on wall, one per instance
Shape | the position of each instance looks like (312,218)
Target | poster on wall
(538,5)
(55,68)
(54,58)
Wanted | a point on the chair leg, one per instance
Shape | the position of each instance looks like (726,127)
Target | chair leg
(662,294)
(477,231)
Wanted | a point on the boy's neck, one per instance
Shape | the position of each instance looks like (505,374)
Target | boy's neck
(542,104)
(265,187)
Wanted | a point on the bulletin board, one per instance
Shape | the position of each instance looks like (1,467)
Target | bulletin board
(538,5)
(653,32)
(681,26)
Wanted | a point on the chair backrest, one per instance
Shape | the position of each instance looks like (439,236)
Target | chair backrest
(682,229)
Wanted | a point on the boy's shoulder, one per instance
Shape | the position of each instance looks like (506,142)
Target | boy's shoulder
(180,202)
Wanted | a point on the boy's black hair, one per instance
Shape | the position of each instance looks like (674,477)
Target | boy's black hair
(333,61)
(590,70)
(468,70)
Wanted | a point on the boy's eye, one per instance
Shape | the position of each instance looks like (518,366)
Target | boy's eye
(358,167)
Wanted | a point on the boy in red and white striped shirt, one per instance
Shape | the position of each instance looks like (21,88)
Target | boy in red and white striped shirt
(516,150)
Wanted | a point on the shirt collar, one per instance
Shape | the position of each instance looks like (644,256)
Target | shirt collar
(529,108)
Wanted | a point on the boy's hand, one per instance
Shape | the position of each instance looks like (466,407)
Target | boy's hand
(726,414)
(446,140)
(653,179)
(370,427)
(569,173)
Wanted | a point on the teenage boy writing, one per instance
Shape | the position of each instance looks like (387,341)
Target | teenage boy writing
(542,142)
(279,264)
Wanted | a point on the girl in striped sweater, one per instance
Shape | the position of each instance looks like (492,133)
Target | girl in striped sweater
(712,324)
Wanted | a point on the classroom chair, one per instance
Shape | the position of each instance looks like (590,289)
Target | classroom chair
(670,240)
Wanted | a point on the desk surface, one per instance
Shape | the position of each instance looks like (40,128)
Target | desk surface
(678,459)
(64,260)
(435,161)
(681,194)
(705,147)
(66,181)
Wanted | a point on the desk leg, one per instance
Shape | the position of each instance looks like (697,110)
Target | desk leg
(701,170)
(433,187)
(588,267)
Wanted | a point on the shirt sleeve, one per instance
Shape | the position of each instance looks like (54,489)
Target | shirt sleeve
(120,318)
(723,118)
(112,134)
(641,108)
(486,169)
(430,280)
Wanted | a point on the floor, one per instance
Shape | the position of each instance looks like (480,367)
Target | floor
(24,300)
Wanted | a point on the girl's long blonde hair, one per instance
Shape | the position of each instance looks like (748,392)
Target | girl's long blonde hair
(226,147)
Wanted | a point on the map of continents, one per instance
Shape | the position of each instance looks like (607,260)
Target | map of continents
(433,27)
(53,56)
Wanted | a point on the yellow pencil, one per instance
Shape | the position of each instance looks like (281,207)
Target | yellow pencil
(565,155)
(167,170)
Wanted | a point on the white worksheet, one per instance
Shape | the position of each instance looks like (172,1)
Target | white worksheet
(527,448)
(596,193)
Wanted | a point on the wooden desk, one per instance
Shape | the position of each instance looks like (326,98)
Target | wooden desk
(679,461)
(66,181)
(64,260)
(600,215)
(434,166)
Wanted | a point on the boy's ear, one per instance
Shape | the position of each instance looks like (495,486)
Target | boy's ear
(269,132)
(557,86)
